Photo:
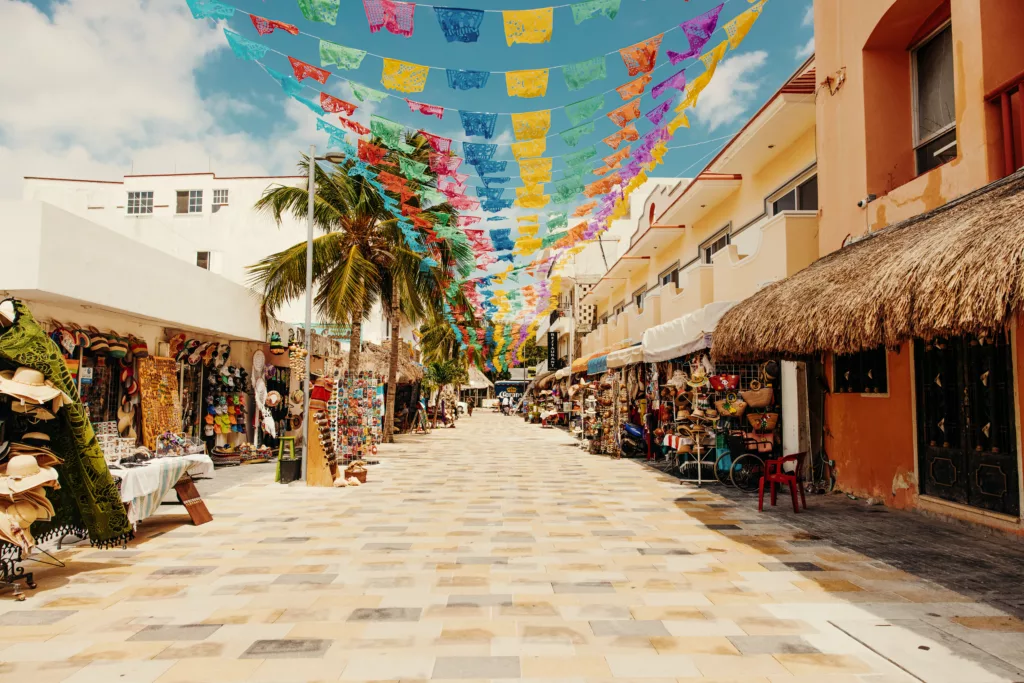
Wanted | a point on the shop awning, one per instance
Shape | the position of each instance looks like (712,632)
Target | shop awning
(477,379)
(956,270)
(563,373)
(580,364)
(627,356)
(686,334)
(595,366)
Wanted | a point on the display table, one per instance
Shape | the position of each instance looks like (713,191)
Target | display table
(144,488)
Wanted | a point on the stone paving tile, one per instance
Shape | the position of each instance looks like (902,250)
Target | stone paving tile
(500,550)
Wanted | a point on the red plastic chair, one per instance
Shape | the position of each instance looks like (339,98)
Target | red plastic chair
(774,474)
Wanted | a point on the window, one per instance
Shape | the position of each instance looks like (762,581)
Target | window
(802,197)
(140,203)
(934,100)
(861,373)
(203,259)
(604,319)
(619,308)
(670,276)
(638,298)
(190,201)
(220,198)
(711,248)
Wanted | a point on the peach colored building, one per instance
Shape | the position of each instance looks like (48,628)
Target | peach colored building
(918,105)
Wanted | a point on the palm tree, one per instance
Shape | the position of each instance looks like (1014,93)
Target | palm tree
(438,376)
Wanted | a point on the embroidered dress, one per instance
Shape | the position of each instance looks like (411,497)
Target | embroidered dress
(340,56)
(478,123)
(531,83)
(530,148)
(578,75)
(245,48)
(578,112)
(528,26)
(404,76)
(459,79)
(641,57)
(459,25)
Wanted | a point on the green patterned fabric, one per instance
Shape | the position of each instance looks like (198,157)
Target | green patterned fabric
(390,133)
(363,93)
(340,56)
(84,473)
(324,11)
(581,11)
(559,220)
(577,159)
(578,112)
(413,170)
(573,136)
(548,240)
(581,73)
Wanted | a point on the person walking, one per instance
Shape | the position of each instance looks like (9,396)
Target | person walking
(504,405)
(469,407)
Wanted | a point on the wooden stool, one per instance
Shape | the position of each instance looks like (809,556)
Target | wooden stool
(290,442)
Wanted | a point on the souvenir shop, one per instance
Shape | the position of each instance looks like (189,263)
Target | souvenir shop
(345,428)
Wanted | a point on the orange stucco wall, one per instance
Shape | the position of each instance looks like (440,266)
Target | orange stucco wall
(865,145)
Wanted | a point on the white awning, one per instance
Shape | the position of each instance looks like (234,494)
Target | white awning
(687,334)
(563,373)
(627,356)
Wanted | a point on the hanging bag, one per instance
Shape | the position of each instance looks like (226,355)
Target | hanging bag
(758,396)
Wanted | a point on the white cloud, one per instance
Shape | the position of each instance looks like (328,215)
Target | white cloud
(805,50)
(808,19)
(99,86)
(732,90)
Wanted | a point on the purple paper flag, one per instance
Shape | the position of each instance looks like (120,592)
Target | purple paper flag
(658,113)
(698,30)
(676,82)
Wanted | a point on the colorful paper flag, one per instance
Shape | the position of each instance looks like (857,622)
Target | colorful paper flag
(532,124)
(626,113)
(529,83)
(264,26)
(578,112)
(529,148)
(459,25)
(642,56)
(404,76)
(425,109)
(634,87)
(303,71)
(528,26)
(581,11)
(324,11)
(397,17)
(698,31)
(340,56)
(580,74)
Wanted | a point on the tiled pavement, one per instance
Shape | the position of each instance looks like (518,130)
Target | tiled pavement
(495,551)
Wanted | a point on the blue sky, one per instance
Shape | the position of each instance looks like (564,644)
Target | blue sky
(146,87)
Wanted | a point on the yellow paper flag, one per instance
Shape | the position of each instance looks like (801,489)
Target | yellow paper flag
(535,170)
(531,125)
(530,148)
(404,76)
(678,121)
(713,57)
(738,28)
(528,26)
(527,245)
(531,83)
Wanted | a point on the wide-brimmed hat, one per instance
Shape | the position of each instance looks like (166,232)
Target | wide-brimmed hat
(32,410)
(42,504)
(273,399)
(29,385)
(16,518)
(7,312)
(44,456)
(23,473)
(699,378)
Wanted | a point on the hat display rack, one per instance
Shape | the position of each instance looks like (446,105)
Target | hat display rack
(54,481)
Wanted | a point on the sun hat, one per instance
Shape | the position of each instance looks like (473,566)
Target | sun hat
(44,456)
(29,385)
(273,399)
(699,378)
(15,521)
(42,504)
(35,439)
(7,312)
(24,473)
(33,411)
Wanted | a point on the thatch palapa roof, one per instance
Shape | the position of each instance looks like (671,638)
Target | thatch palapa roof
(376,358)
(956,270)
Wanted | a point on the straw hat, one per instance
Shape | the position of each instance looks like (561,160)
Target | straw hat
(23,473)
(699,378)
(31,410)
(7,312)
(29,385)
(15,521)
(273,399)
(44,456)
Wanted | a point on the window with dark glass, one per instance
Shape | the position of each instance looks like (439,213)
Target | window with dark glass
(638,298)
(803,197)
(934,101)
(203,259)
(670,277)
(713,247)
(861,373)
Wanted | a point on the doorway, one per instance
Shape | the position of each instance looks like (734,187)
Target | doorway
(967,442)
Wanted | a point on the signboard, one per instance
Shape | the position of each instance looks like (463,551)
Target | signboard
(513,390)
(552,351)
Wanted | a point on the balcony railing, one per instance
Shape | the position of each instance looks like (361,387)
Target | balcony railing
(1010,98)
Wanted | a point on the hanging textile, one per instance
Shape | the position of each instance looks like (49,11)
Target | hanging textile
(738,28)
(324,11)
(675,123)
(627,134)
(581,11)
(390,133)
(535,170)
(414,170)
(626,113)
(558,220)
(467,80)
(245,48)
(641,57)
(490,166)
(362,93)
(698,31)
(658,113)
(603,185)
(265,26)
(490,192)
(444,164)
(440,144)
(530,148)
(677,81)
(340,56)
(711,59)
(530,83)
(499,180)
(584,209)
(288,83)
(477,152)
(580,74)
(425,109)
(303,71)
(578,112)
(201,9)
(500,239)
(528,26)
(573,136)
(459,25)
(567,189)
(404,76)
(531,125)
(577,159)
(618,157)
(370,153)
(478,123)
(634,87)
(397,17)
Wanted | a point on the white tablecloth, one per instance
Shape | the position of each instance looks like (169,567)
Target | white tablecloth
(143,488)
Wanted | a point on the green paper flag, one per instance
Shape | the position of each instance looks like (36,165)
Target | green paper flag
(573,136)
(578,112)
(558,220)
(339,55)
(390,133)
(577,159)
(581,11)
(363,93)
(581,73)
(324,11)
(413,169)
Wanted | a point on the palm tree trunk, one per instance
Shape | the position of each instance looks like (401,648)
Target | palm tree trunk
(389,412)
(355,340)
(437,403)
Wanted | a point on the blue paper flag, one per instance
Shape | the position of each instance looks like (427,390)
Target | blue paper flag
(245,48)
(483,167)
(478,123)
(475,152)
(496,205)
(460,25)
(459,79)
(497,180)
(490,192)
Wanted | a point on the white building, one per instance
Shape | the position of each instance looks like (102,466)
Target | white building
(200,218)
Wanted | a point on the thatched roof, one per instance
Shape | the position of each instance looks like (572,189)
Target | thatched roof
(377,358)
(958,269)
